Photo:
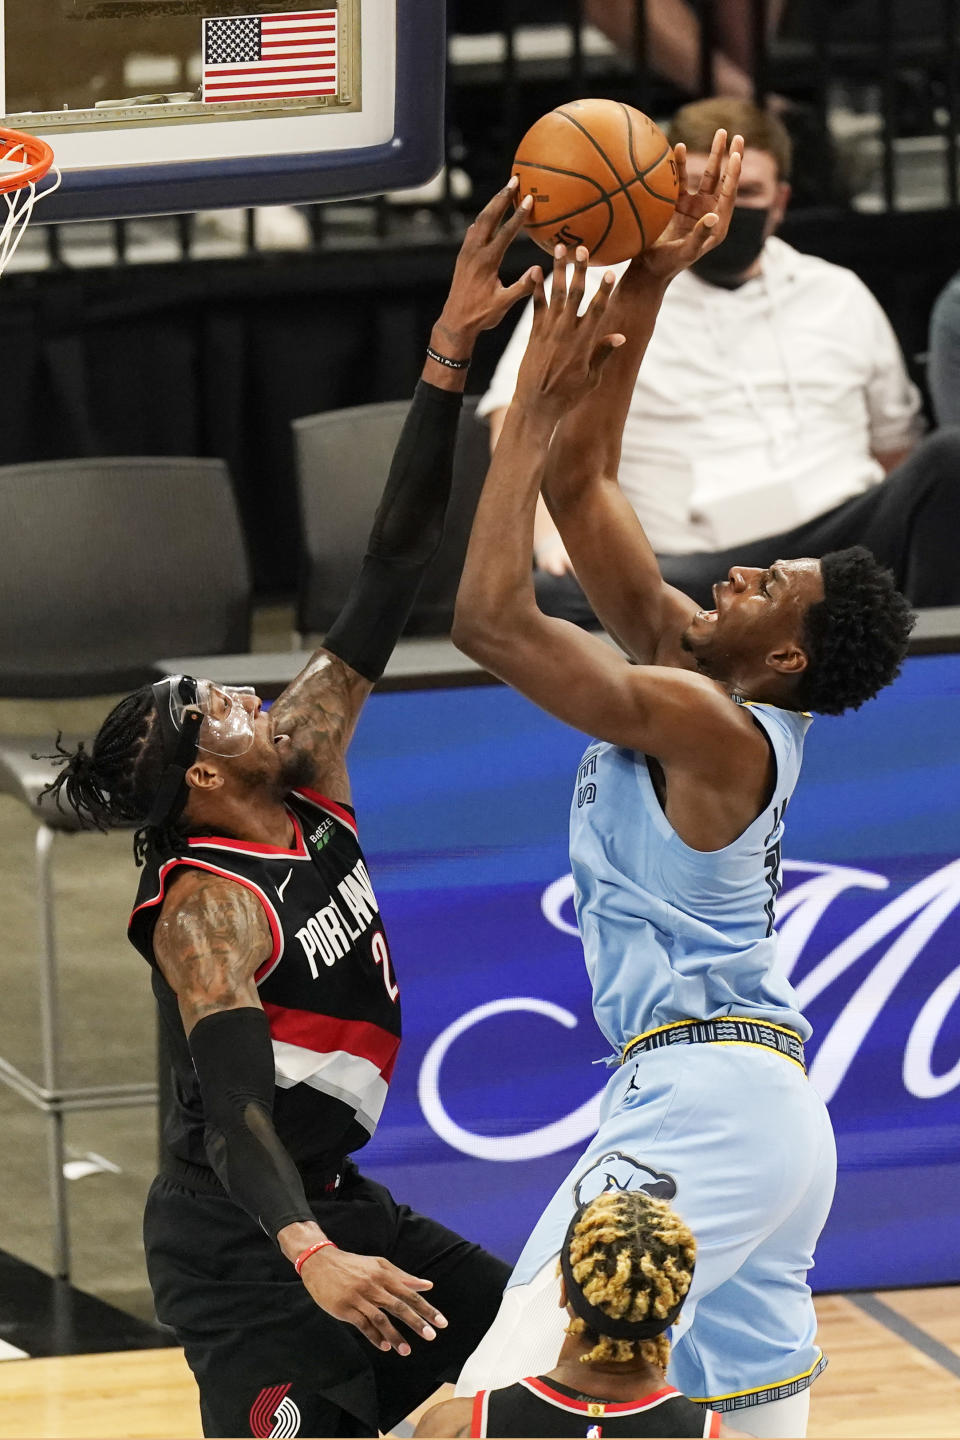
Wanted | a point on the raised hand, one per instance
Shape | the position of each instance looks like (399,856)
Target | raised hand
(702,217)
(566,351)
(477,300)
(365,1291)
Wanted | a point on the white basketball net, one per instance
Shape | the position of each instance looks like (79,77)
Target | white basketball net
(16,206)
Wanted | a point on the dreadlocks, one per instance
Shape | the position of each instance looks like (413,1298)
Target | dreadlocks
(114,783)
(632,1257)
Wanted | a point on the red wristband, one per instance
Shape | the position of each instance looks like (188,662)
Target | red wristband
(311,1250)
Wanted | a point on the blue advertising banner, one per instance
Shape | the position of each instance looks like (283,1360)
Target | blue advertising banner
(462,798)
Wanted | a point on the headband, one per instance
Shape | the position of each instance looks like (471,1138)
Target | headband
(179,747)
(599,1320)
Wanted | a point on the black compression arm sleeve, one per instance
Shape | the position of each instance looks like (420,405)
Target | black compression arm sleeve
(406,534)
(233,1058)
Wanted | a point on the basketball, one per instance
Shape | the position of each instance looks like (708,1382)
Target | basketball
(601,174)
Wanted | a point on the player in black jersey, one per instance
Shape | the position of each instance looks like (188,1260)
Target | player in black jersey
(272,1258)
(627,1262)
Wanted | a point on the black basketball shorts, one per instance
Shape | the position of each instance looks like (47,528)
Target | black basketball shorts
(266,1359)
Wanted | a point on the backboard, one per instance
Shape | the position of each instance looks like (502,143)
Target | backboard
(159,106)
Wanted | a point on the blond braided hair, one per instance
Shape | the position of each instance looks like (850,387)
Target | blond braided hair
(632,1256)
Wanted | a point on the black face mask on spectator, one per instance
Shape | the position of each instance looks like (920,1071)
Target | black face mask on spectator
(727,265)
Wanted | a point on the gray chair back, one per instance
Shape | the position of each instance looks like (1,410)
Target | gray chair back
(105,565)
(342,461)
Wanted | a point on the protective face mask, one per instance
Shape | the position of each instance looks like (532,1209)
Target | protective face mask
(728,263)
(228,726)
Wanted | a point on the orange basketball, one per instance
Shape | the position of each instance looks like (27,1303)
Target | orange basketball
(601,174)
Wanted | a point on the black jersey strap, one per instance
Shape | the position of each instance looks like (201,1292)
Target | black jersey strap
(233,1057)
(598,1320)
(407,531)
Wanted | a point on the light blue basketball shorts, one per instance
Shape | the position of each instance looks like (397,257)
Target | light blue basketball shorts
(737,1141)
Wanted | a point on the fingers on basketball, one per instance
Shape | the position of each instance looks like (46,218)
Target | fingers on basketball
(513,225)
(680,161)
(714,167)
(493,212)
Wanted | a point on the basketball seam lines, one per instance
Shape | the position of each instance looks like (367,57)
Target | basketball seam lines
(633,162)
(580,210)
(607,161)
(606,232)
(642,174)
(602,195)
(556,170)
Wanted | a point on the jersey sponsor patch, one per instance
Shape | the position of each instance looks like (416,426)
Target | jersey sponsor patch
(321,836)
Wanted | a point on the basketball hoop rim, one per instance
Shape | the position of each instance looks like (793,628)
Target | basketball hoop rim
(38,159)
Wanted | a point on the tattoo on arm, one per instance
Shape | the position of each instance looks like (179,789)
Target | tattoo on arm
(319,711)
(211,937)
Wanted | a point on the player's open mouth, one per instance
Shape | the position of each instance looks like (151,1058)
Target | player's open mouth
(708,615)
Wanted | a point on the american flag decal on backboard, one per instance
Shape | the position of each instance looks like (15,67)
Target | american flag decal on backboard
(270,57)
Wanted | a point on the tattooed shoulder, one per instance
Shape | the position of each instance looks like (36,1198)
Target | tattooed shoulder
(211,936)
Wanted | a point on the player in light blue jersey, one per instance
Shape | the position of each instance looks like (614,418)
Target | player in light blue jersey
(678,816)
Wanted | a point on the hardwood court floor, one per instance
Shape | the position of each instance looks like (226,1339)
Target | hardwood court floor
(880,1383)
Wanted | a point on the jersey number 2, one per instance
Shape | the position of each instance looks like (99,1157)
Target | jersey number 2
(381,956)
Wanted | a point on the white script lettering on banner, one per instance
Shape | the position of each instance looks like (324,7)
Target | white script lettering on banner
(573,1129)
(918,1074)
(913,917)
(929,902)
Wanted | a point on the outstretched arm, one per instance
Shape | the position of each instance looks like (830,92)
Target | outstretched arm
(611,555)
(672,713)
(209,941)
(320,708)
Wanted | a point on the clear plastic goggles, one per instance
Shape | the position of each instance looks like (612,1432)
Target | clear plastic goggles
(228,726)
